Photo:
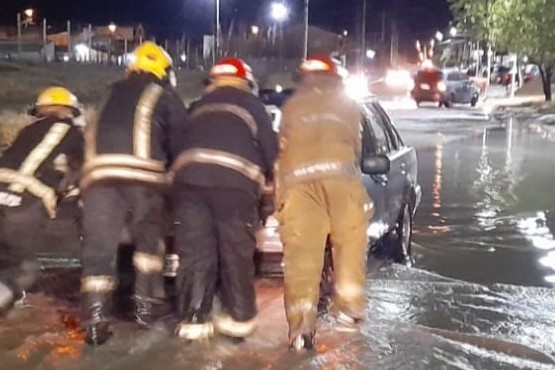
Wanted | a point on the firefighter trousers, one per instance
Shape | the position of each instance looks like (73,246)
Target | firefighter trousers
(215,240)
(27,233)
(311,214)
(107,210)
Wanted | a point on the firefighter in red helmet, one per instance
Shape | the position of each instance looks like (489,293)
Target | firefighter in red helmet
(320,197)
(224,159)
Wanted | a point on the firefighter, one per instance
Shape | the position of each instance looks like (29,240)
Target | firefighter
(224,159)
(123,184)
(38,176)
(321,197)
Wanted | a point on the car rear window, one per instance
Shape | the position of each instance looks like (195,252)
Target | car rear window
(429,76)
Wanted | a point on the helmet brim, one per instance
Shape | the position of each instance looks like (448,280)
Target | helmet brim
(33,110)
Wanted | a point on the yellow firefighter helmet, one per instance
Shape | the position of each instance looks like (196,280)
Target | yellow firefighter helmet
(57,96)
(151,58)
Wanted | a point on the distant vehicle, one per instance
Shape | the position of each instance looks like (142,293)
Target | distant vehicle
(390,178)
(274,99)
(503,76)
(444,88)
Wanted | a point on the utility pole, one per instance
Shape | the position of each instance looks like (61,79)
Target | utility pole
(305,49)
(488,46)
(44,37)
(384,15)
(394,44)
(218,32)
(19,34)
(363,37)
(69,38)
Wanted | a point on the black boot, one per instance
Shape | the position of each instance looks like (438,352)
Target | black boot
(150,299)
(95,316)
(150,310)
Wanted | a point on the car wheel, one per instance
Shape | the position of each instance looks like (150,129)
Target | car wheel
(326,283)
(473,102)
(402,240)
(440,104)
(418,102)
(447,103)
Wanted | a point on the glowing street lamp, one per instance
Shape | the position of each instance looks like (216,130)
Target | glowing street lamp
(29,13)
(453,31)
(112,27)
(255,30)
(279,11)
(439,36)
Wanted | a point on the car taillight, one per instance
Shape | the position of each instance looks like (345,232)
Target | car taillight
(441,86)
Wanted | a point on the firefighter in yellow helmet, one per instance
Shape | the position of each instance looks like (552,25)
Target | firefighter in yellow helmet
(38,174)
(320,197)
(124,178)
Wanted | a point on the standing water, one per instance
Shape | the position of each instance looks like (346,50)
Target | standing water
(479,299)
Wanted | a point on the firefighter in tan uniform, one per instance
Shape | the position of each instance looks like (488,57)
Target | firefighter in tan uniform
(320,197)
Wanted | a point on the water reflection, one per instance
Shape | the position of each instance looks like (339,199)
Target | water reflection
(436,188)
(478,197)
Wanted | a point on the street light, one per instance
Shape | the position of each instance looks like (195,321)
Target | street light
(453,31)
(279,11)
(112,27)
(255,30)
(439,36)
(29,13)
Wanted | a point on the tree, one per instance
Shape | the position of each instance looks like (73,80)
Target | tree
(526,27)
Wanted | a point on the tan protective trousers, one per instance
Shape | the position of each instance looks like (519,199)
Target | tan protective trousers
(311,213)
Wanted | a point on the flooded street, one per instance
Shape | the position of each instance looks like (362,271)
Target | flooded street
(480,296)
(488,210)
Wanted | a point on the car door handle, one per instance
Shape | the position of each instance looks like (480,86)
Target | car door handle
(382,179)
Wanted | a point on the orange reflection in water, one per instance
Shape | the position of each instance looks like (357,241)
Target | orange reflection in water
(67,343)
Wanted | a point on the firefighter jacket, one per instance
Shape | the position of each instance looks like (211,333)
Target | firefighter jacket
(130,141)
(227,142)
(319,134)
(36,164)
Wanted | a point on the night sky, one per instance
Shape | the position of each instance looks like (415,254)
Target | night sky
(415,18)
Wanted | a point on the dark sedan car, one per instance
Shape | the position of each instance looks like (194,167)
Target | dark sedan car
(390,178)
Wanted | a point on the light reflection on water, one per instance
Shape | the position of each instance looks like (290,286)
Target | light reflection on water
(489,196)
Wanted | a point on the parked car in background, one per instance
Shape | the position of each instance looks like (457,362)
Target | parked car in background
(460,89)
(390,178)
(445,88)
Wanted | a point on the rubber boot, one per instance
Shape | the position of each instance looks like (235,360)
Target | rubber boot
(195,327)
(95,317)
(151,304)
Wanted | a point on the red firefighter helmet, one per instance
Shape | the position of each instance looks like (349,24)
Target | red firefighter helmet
(232,67)
(322,64)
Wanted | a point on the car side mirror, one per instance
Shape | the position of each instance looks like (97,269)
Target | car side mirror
(376,165)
